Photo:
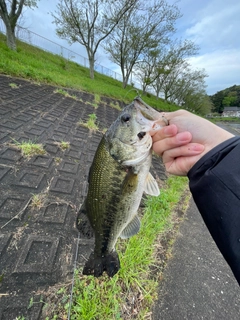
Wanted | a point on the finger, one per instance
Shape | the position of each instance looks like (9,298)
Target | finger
(164,132)
(181,165)
(160,146)
(188,150)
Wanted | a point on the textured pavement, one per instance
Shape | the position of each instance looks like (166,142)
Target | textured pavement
(38,245)
(197,282)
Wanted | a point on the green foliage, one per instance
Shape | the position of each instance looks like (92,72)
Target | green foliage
(225,98)
(229,101)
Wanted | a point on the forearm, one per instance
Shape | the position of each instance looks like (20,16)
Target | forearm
(216,192)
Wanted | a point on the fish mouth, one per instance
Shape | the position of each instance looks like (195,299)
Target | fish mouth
(146,124)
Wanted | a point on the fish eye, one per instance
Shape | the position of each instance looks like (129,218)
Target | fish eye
(125,117)
(141,135)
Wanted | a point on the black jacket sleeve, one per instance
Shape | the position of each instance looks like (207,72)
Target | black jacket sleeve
(215,185)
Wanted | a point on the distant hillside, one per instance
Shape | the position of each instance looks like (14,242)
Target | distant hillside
(226,98)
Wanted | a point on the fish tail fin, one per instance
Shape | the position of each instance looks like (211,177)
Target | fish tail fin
(97,265)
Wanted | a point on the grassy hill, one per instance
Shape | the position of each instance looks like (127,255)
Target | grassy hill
(38,65)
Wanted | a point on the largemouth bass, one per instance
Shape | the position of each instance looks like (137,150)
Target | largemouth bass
(117,179)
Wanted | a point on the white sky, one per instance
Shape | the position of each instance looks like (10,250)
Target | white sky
(212,24)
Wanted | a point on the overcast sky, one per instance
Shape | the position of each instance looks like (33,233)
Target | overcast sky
(214,25)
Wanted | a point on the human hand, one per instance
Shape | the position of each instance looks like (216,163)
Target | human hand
(187,138)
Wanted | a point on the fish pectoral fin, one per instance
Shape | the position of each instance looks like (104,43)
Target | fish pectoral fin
(83,224)
(151,186)
(131,229)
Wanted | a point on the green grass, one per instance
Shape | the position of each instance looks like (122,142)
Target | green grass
(90,123)
(63,145)
(97,100)
(29,148)
(43,67)
(133,289)
(65,94)
(225,119)
(13,85)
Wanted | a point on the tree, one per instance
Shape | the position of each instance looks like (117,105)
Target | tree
(144,69)
(227,97)
(198,102)
(170,65)
(217,99)
(89,22)
(142,29)
(189,91)
(10,12)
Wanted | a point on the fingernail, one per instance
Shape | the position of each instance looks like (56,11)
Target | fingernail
(198,147)
(169,131)
(183,136)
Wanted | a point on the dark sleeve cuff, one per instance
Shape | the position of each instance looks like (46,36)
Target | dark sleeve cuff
(223,148)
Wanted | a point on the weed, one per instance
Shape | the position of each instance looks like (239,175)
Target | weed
(91,122)
(57,160)
(38,200)
(115,105)
(29,148)
(97,100)
(30,303)
(65,93)
(13,85)
(63,145)
(61,91)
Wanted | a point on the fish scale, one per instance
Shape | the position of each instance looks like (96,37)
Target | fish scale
(106,192)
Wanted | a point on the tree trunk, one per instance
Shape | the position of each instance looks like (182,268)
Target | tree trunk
(124,83)
(11,39)
(10,21)
(91,66)
(144,87)
(125,80)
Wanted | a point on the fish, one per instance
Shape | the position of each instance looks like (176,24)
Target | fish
(118,177)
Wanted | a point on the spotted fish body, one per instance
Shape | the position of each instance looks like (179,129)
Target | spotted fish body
(117,179)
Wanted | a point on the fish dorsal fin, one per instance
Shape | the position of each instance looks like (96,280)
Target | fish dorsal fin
(131,229)
(151,186)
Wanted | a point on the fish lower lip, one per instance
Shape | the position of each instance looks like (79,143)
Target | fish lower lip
(133,162)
